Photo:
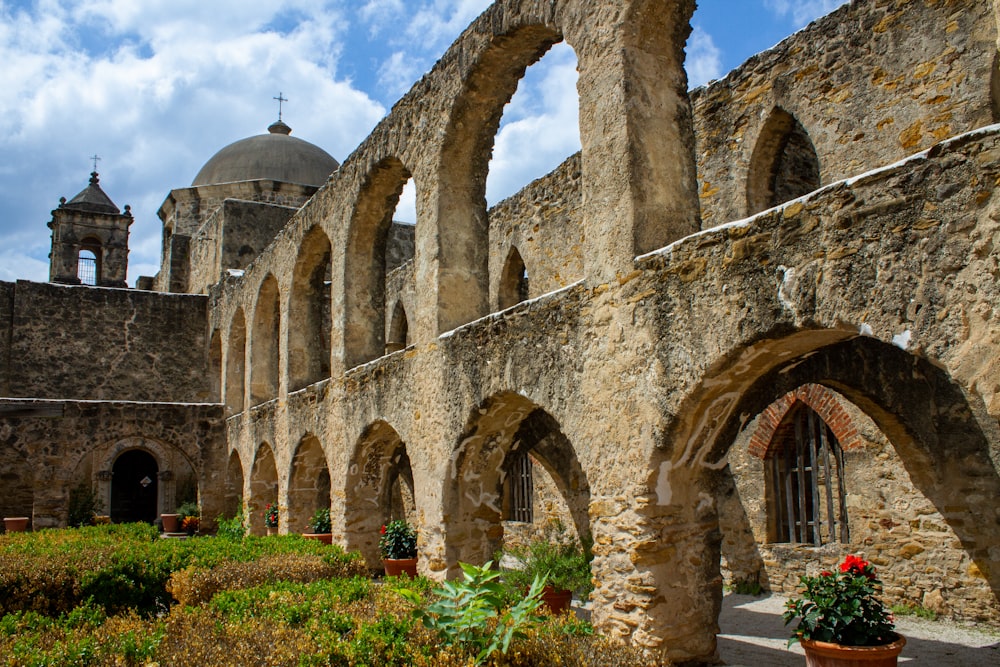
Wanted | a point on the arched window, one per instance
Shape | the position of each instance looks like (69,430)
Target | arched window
(805,486)
(399,330)
(513,281)
(86,267)
(784,164)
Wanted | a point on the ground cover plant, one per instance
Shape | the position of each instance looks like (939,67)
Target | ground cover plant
(119,595)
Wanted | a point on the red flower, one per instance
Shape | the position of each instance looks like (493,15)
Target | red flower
(383,530)
(826,573)
(854,565)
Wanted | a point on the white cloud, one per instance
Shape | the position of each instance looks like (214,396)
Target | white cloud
(540,127)
(704,60)
(802,12)
(182,81)
(398,73)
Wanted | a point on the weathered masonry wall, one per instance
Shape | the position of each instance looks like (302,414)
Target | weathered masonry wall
(47,447)
(544,222)
(232,237)
(870,83)
(106,344)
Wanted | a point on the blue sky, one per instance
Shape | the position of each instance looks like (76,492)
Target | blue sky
(156,87)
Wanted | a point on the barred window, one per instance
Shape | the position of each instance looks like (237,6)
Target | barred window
(86,267)
(806,481)
(520,489)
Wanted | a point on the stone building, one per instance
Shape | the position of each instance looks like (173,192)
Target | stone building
(747,329)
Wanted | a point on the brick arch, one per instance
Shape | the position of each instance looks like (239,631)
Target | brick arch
(364,263)
(822,400)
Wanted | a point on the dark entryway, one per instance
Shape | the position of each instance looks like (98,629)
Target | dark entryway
(133,487)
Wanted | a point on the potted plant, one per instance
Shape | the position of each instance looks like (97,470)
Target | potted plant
(842,620)
(397,544)
(320,527)
(270,515)
(562,559)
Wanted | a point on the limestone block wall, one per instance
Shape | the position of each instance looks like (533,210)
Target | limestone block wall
(544,222)
(233,235)
(47,447)
(870,83)
(6,328)
(76,342)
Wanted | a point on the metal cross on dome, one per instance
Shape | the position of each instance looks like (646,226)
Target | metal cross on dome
(95,158)
(280,99)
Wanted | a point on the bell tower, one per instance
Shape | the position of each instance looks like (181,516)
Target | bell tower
(89,239)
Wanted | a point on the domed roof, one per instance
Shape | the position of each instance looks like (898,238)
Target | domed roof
(275,156)
(92,199)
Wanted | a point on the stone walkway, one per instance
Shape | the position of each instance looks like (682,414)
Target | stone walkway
(753,634)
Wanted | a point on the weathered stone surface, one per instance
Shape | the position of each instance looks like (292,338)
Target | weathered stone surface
(107,344)
(638,382)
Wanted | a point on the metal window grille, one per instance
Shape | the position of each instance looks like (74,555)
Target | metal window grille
(808,484)
(86,267)
(521,489)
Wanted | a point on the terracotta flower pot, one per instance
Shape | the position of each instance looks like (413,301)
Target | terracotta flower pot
(824,654)
(271,530)
(170,522)
(557,599)
(16,524)
(325,538)
(397,566)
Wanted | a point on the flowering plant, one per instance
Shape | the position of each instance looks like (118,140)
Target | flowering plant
(398,540)
(841,607)
(270,515)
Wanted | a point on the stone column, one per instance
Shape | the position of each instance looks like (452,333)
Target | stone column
(639,172)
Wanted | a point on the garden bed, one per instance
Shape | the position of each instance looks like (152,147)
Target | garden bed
(119,595)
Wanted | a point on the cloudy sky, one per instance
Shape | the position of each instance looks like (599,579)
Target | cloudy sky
(156,87)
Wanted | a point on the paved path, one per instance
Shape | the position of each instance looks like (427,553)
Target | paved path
(753,634)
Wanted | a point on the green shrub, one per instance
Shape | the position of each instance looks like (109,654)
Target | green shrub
(320,521)
(234,528)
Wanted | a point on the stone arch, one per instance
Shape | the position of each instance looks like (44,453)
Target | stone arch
(941,434)
(263,489)
(379,488)
(215,366)
(503,425)
(173,464)
(364,266)
(236,356)
(513,288)
(399,329)
(784,164)
(309,312)
(309,484)
(264,343)
(462,234)
(233,496)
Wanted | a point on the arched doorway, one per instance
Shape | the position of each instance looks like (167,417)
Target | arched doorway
(134,487)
